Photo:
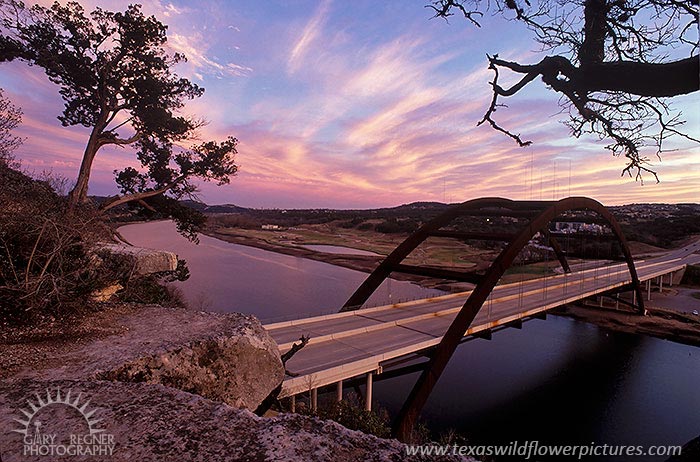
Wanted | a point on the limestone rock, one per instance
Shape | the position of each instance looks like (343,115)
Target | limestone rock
(225,357)
(106,293)
(155,423)
(147,260)
(228,357)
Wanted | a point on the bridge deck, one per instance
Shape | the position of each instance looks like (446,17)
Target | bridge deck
(344,345)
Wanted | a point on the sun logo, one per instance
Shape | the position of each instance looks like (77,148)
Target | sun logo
(58,399)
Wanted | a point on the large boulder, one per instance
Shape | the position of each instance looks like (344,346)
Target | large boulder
(147,261)
(225,357)
(142,262)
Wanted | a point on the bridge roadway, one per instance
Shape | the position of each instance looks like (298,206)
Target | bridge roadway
(350,344)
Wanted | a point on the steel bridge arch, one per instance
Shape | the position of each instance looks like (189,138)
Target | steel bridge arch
(543,213)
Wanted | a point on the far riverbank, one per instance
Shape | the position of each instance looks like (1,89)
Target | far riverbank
(364,263)
(491,389)
(662,323)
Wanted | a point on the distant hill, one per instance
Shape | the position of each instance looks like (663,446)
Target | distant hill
(232,208)
(661,225)
(220,208)
(414,206)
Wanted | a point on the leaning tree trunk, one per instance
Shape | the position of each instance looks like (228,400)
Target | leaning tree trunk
(79,194)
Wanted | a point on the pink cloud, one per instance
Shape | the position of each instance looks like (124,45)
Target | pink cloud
(356,125)
(308,35)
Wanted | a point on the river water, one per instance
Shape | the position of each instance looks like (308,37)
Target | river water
(557,381)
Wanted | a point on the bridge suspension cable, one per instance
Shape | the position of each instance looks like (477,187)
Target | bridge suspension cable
(537,215)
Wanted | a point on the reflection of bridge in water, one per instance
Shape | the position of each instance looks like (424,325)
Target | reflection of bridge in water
(367,341)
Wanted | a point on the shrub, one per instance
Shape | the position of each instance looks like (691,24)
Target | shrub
(50,262)
(354,222)
(45,252)
(354,416)
(392,225)
(152,290)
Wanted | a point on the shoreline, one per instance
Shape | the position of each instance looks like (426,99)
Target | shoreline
(660,323)
(362,263)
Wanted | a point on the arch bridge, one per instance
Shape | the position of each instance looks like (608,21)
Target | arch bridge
(366,341)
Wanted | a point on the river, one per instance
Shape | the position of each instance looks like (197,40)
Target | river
(557,381)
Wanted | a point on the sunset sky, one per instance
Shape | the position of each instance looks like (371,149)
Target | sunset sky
(354,104)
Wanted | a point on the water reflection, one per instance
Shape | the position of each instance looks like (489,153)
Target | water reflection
(562,381)
(230,277)
(558,381)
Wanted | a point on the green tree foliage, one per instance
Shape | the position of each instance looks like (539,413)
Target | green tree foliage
(116,78)
(392,226)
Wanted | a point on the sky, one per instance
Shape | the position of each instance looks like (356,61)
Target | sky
(358,104)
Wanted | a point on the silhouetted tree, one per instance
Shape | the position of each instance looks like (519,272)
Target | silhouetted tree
(616,64)
(10,118)
(114,74)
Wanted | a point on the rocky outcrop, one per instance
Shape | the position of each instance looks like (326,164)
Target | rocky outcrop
(225,357)
(147,261)
(137,377)
(141,261)
(239,367)
(155,423)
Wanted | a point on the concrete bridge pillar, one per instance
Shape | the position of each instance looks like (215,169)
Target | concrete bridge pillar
(648,289)
(368,392)
(314,399)
(339,391)
(678,275)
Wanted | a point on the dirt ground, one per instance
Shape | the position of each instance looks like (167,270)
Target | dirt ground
(684,299)
(21,347)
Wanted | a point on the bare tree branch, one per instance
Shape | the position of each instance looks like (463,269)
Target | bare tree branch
(611,66)
(119,200)
(442,10)
(295,348)
(111,138)
(498,91)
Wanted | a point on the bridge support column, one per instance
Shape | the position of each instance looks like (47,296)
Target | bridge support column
(539,214)
(661,283)
(634,297)
(339,391)
(670,279)
(648,290)
(293,403)
(314,399)
(368,392)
